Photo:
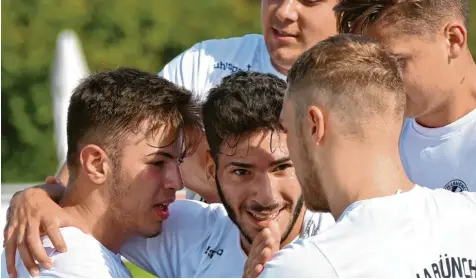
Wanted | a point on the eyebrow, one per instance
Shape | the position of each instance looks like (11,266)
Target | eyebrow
(250,166)
(163,153)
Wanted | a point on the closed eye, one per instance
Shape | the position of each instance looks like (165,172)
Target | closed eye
(158,163)
(283,167)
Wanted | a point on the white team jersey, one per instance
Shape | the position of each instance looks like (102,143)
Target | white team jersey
(86,258)
(200,240)
(421,233)
(441,157)
(206,63)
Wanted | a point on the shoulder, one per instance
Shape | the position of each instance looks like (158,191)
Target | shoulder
(298,259)
(86,257)
(315,222)
(189,223)
(208,52)
(225,47)
(191,213)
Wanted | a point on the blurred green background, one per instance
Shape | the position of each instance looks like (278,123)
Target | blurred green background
(144,34)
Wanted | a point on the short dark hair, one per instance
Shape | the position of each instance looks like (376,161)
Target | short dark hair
(107,105)
(353,76)
(243,103)
(418,17)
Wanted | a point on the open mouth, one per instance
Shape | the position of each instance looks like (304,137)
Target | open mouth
(162,206)
(162,210)
(263,218)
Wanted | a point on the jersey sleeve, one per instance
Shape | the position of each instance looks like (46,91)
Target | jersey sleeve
(77,262)
(302,259)
(188,70)
(189,222)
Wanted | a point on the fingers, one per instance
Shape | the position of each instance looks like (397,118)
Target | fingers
(35,245)
(10,251)
(266,243)
(51,180)
(257,270)
(55,236)
(26,257)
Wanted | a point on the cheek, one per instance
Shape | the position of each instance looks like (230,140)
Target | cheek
(318,28)
(146,184)
(266,10)
(290,189)
(234,188)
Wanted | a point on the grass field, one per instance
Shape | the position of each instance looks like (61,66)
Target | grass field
(137,272)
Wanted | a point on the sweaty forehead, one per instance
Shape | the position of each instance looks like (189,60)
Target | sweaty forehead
(269,145)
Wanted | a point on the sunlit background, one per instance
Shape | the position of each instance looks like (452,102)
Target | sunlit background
(47,44)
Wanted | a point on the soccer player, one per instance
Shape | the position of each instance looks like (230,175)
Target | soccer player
(343,113)
(251,168)
(289,27)
(438,142)
(126,131)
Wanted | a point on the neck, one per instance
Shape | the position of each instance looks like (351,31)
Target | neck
(462,101)
(360,172)
(293,234)
(90,212)
(281,69)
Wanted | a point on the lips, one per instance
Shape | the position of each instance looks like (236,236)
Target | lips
(262,218)
(162,209)
(283,33)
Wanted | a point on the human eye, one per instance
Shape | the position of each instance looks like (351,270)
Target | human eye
(283,167)
(240,172)
(157,163)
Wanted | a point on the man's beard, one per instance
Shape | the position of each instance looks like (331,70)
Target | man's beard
(314,197)
(233,217)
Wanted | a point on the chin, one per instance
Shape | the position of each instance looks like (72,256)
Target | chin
(284,57)
(151,232)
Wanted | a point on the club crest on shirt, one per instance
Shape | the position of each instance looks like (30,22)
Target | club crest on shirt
(456,185)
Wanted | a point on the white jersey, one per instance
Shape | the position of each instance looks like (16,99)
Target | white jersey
(441,157)
(421,233)
(200,240)
(86,258)
(206,63)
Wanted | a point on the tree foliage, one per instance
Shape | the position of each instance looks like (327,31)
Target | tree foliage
(144,34)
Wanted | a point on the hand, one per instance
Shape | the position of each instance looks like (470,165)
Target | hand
(30,211)
(194,174)
(265,244)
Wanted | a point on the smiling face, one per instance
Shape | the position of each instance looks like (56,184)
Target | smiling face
(146,177)
(257,184)
(292,26)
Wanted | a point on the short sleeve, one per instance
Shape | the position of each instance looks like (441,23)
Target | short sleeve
(77,262)
(302,259)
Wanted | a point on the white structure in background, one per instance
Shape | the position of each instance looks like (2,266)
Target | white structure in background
(68,69)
